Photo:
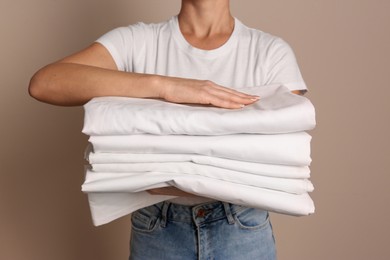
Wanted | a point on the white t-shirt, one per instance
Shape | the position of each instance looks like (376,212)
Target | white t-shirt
(250,57)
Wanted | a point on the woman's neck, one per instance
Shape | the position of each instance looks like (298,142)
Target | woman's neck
(206,24)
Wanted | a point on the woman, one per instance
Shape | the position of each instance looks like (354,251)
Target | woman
(198,56)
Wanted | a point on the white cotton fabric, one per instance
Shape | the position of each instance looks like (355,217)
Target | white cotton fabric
(108,206)
(285,149)
(123,161)
(272,200)
(268,171)
(261,151)
(117,178)
(278,111)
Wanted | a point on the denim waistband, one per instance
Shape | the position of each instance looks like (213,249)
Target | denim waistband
(198,214)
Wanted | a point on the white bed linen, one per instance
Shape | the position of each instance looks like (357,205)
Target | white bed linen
(286,149)
(257,156)
(275,201)
(108,206)
(133,181)
(278,111)
(270,170)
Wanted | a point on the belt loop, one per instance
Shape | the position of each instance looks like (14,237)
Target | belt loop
(164,213)
(228,212)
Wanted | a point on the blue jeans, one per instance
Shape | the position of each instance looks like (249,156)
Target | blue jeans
(215,230)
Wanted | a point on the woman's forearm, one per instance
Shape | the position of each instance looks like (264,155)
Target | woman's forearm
(71,84)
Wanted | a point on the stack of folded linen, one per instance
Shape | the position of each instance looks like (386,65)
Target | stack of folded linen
(257,156)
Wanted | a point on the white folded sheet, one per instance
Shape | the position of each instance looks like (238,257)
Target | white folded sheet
(108,206)
(257,156)
(133,179)
(285,149)
(151,162)
(275,201)
(277,111)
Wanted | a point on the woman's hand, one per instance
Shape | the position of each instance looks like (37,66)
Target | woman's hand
(180,90)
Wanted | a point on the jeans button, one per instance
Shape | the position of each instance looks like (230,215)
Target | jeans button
(201,213)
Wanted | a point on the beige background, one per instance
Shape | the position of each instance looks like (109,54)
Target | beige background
(342,49)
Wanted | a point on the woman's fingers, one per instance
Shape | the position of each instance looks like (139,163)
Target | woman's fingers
(234,96)
(219,97)
(233,91)
(230,103)
(204,92)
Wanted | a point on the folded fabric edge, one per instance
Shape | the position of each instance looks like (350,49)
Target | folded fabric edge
(100,216)
(100,202)
(95,179)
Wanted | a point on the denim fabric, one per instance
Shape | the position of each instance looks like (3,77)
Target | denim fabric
(214,230)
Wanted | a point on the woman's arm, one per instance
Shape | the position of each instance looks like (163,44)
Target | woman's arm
(92,72)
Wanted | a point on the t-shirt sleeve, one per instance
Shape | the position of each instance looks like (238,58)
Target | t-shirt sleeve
(282,67)
(119,43)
